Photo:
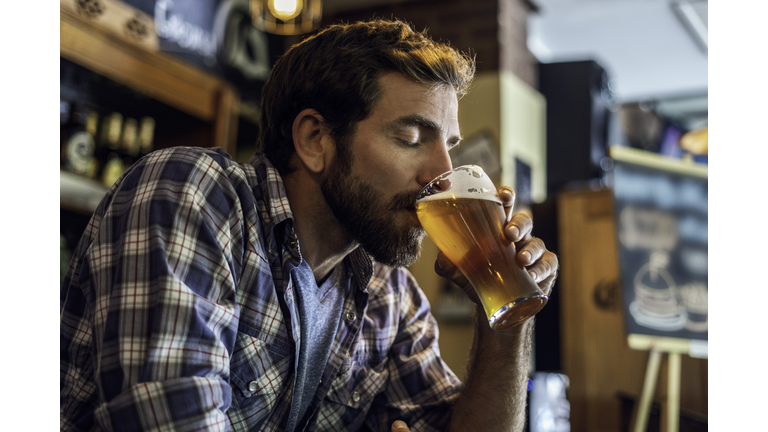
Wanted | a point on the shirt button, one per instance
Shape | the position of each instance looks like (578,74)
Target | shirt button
(252,386)
(349,317)
(356,397)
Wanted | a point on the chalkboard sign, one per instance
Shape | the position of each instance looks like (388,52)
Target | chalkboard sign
(660,209)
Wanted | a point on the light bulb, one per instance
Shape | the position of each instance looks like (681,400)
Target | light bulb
(285,9)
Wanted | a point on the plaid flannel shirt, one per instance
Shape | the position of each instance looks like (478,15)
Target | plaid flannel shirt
(175,314)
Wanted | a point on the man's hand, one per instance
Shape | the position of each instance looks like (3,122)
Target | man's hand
(400,426)
(541,264)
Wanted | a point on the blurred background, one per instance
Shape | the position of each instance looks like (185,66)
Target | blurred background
(595,111)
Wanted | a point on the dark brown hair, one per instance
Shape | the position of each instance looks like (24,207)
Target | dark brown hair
(336,73)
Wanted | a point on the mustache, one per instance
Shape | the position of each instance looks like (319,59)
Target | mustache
(404,200)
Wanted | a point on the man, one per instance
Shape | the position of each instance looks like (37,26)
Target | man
(211,295)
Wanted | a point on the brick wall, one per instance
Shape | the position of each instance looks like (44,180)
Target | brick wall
(492,30)
(513,41)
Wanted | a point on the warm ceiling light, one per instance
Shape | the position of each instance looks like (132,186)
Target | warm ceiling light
(285,9)
(286,17)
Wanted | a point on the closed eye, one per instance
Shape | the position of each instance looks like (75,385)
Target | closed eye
(453,143)
(408,143)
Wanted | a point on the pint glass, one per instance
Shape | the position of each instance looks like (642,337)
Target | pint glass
(462,214)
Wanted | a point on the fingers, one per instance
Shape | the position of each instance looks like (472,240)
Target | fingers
(548,283)
(518,228)
(540,263)
(507,197)
(543,267)
(400,426)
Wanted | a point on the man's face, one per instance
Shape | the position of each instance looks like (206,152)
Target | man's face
(399,148)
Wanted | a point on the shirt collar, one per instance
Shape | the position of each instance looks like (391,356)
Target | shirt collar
(279,213)
(272,190)
(361,264)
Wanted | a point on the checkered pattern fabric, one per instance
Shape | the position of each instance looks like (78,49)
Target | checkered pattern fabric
(175,314)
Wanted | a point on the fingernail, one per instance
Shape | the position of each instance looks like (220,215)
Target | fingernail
(514,232)
(399,424)
(533,276)
(526,256)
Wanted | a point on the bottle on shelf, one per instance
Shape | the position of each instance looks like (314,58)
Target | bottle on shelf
(129,142)
(147,135)
(111,150)
(78,151)
(111,134)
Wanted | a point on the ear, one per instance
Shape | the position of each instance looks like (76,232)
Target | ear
(312,140)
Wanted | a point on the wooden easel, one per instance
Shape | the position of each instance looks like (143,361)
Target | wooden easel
(657,346)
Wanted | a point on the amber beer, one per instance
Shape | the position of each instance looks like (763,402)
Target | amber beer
(469,231)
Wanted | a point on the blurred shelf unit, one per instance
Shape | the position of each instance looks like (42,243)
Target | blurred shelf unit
(116,42)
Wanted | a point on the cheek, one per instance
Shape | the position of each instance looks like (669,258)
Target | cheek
(392,170)
(395,176)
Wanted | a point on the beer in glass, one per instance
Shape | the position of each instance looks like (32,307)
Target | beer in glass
(462,214)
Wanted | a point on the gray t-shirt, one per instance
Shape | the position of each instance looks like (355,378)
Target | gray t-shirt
(320,314)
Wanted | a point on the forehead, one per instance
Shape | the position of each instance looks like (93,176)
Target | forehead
(402,97)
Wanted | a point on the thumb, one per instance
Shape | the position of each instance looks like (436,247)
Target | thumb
(400,426)
(445,268)
(507,196)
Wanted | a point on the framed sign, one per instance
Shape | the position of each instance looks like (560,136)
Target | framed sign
(660,208)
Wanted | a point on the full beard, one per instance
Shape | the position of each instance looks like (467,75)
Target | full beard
(357,206)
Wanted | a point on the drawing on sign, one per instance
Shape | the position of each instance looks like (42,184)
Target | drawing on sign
(648,229)
(656,304)
(659,303)
(694,297)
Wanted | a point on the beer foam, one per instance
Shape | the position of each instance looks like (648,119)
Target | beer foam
(470,193)
(457,185)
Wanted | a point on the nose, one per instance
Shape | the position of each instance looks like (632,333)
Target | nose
(438,162)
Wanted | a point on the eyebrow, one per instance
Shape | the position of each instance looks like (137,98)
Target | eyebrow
(423,122)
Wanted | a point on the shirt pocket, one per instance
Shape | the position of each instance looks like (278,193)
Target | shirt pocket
(356,385)
(258,375)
